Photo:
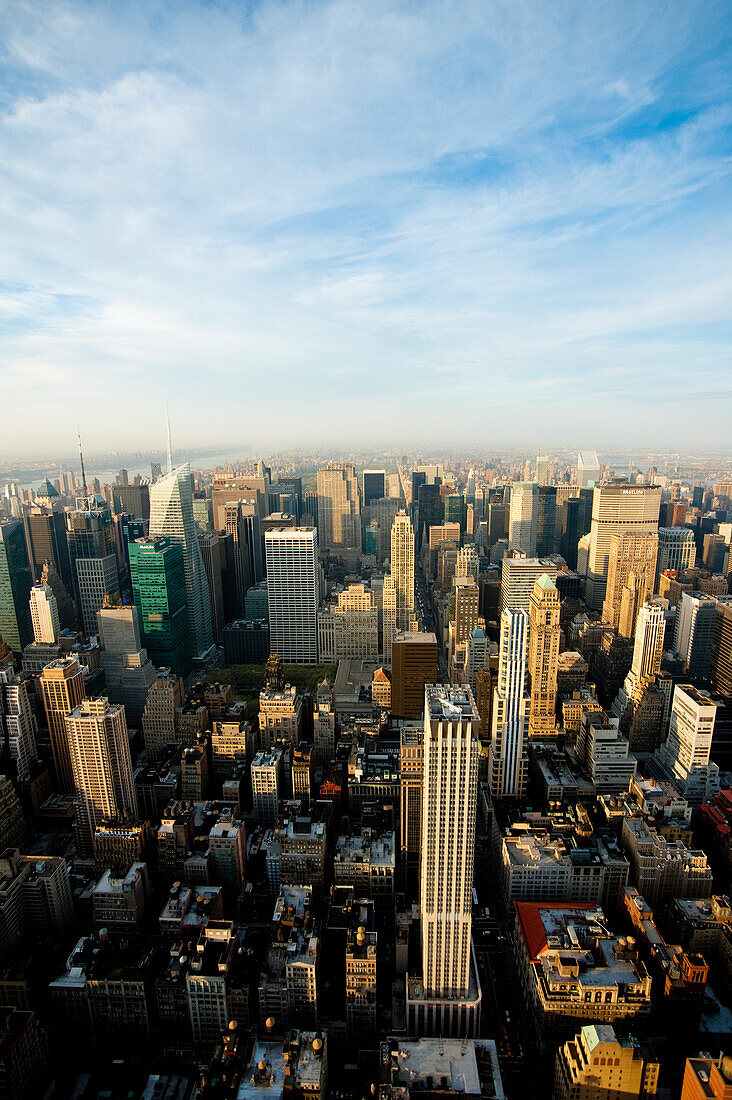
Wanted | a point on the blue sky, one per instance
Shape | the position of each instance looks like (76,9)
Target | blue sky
(361,221)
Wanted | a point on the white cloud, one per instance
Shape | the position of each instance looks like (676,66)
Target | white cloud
(305,207)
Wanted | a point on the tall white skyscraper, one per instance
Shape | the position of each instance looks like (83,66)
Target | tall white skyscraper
(508,758)
(44,614)
(685,756)
(650,630)
(616,508)
(588,469)
(99,747)
(171,515)
(402,568)
(542,469)
(447,1001)
(696,619)
(523,517)
(292,593)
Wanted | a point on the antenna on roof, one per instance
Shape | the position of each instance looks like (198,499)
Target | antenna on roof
(81,458)
(170,445)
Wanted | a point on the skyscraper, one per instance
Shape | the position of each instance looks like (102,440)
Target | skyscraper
(91,543)
(544,638)
(616,507)
(631,574)
(44,614)
(292,593)
(171,516)
(588,469)
(542,469)
(518,575)
(546,521)
(508,758)
(63,689)
(15,586)
(99,749)
(45,536)
(128,671)
(19,721)
(523,517)
(339,507)
(159,592)
(374,485)
(447,1000)
(696,618)
(685,756)
(402,568)
(413,664)
(676,550)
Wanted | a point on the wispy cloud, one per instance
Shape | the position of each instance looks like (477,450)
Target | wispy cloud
(305,221)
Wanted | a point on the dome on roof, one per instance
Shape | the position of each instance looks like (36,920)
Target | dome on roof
(46,489)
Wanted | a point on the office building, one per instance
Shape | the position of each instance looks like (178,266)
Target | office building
(518,576)
(292,593)
(402,569)
(543,657)
(339,507)
(696,621)
(616,508)
(661,868)
(266,780)
(280,715)
(92,557)
(133,499)
(575,969)
(44,615)
(446,999)
(588,469)
(374,486)
(227,845)
(165,699)
(246,642)
(366,860)
(604,753)
(676,550)
(429,509)
(508,756)
(574,517)
(171,516)
(597,1063)
(160,595)
(99,749)
(631,576)
(413,665)
(411,766)
(63,689)
(361,976)
(707,1078)
(685,758)
(324,725)
(523,517)
(15,587)
(350,627)
(45,536)
(210,547)
(18,726)
(722,648)
(388,617)
(128,671)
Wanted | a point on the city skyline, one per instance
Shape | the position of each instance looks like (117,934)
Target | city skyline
(355,203)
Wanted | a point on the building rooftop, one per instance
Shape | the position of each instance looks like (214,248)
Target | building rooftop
(450,703)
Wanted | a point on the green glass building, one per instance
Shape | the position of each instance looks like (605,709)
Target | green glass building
(159,592)
(15,585)
(455,509)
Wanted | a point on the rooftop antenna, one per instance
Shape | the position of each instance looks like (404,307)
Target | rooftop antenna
(81,457)
(170,445)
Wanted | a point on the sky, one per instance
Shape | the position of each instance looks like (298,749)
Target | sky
(305,223)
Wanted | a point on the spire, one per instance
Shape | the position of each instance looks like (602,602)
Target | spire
(170,445)
(81,458)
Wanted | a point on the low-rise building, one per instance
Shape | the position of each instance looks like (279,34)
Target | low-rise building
(119,901)
(575,969)
(664,869)
(467,1069)
(597,1063)
(367,861)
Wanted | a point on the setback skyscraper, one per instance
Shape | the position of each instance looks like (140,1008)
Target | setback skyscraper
(171,516)
(159,592)
(446,1000)
(616,507)
(402,569)
(508,758)
(544,638)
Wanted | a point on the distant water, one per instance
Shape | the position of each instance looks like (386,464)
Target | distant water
(200,462)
